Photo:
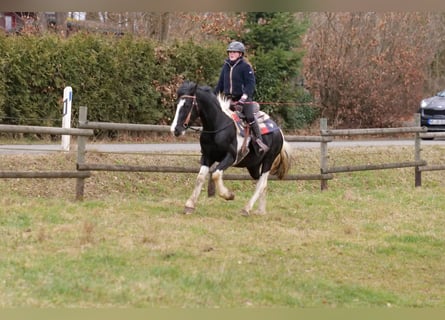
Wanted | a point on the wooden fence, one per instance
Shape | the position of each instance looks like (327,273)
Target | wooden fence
(327,133)
(79,175)
(86,129)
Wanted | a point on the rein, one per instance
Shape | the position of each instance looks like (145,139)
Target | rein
(187,119)
(194,104)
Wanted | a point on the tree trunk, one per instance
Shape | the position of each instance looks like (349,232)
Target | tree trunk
(61,22)
(165,23)
(43,22)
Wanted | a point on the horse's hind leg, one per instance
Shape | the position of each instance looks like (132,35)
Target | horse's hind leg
(220,187)
(260,193)
(200,180)
(262,202)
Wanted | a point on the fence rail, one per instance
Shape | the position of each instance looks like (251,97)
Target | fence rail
(86,129)
(360,132)
(45,130)
(171,169)
(44,174)
(395,165)
(125,126)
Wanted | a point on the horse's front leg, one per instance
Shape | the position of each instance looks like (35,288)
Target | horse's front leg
(217,176)
(260,192)
(200,180)
(222,190)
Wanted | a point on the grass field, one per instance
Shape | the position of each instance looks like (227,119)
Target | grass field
(371,240)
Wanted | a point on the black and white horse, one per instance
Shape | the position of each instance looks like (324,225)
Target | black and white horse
(222,143)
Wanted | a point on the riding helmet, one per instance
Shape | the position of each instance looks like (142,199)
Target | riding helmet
(236,46)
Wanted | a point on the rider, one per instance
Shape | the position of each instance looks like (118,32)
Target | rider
(237,82)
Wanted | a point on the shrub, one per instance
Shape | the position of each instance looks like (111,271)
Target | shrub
(2,77)
(32,78)
(120,78)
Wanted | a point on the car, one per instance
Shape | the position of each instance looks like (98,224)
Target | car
(432,112)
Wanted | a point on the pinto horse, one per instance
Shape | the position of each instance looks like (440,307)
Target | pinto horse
(222,143)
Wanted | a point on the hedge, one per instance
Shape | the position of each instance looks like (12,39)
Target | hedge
(119,78)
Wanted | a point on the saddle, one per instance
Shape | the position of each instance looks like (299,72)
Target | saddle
(265,123)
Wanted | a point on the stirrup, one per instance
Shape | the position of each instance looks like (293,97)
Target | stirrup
(262,145)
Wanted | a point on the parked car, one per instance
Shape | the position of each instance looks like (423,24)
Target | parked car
(432,112)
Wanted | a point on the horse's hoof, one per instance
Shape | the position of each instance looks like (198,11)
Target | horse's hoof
(188,210)
(244,213)
(230,196)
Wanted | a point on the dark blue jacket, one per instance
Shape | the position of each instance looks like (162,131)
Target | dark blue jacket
(236,78)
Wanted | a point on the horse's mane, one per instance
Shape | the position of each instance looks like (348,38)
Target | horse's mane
(188,87)
(206,89)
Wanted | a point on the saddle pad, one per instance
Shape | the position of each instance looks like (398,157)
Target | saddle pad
(266,124)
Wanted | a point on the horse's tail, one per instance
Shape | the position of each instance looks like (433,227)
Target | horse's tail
(282,163)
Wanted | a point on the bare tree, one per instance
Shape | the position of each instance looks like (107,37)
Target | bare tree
(61,22)
(42,22)
(368,69)
(164,28)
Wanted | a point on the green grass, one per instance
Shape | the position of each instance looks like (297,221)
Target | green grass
(371,240)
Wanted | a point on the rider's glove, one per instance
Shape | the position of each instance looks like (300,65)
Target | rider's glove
(241,101)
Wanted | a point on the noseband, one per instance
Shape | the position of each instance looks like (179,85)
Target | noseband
(194,105)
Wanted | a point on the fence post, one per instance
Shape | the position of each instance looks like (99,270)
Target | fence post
(66,119)
(417,150)
(323,154)
(81,144)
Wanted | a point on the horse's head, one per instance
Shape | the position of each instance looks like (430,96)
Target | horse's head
(186,108)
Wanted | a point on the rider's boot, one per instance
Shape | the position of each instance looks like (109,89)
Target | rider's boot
(257,134)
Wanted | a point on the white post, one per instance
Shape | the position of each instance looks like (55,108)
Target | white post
(66,118)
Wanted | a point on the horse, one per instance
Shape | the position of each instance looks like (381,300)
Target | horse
(222,144)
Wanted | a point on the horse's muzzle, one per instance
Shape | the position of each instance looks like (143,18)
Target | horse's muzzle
(179,130)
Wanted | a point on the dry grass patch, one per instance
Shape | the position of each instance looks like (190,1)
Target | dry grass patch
(370,240)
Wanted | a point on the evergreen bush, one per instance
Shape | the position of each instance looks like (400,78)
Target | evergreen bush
(2,78)
(273,39)
(120,78)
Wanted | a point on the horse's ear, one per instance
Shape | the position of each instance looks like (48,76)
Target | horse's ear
(194,89)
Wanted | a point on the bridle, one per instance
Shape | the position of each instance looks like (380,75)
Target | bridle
(194,105)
